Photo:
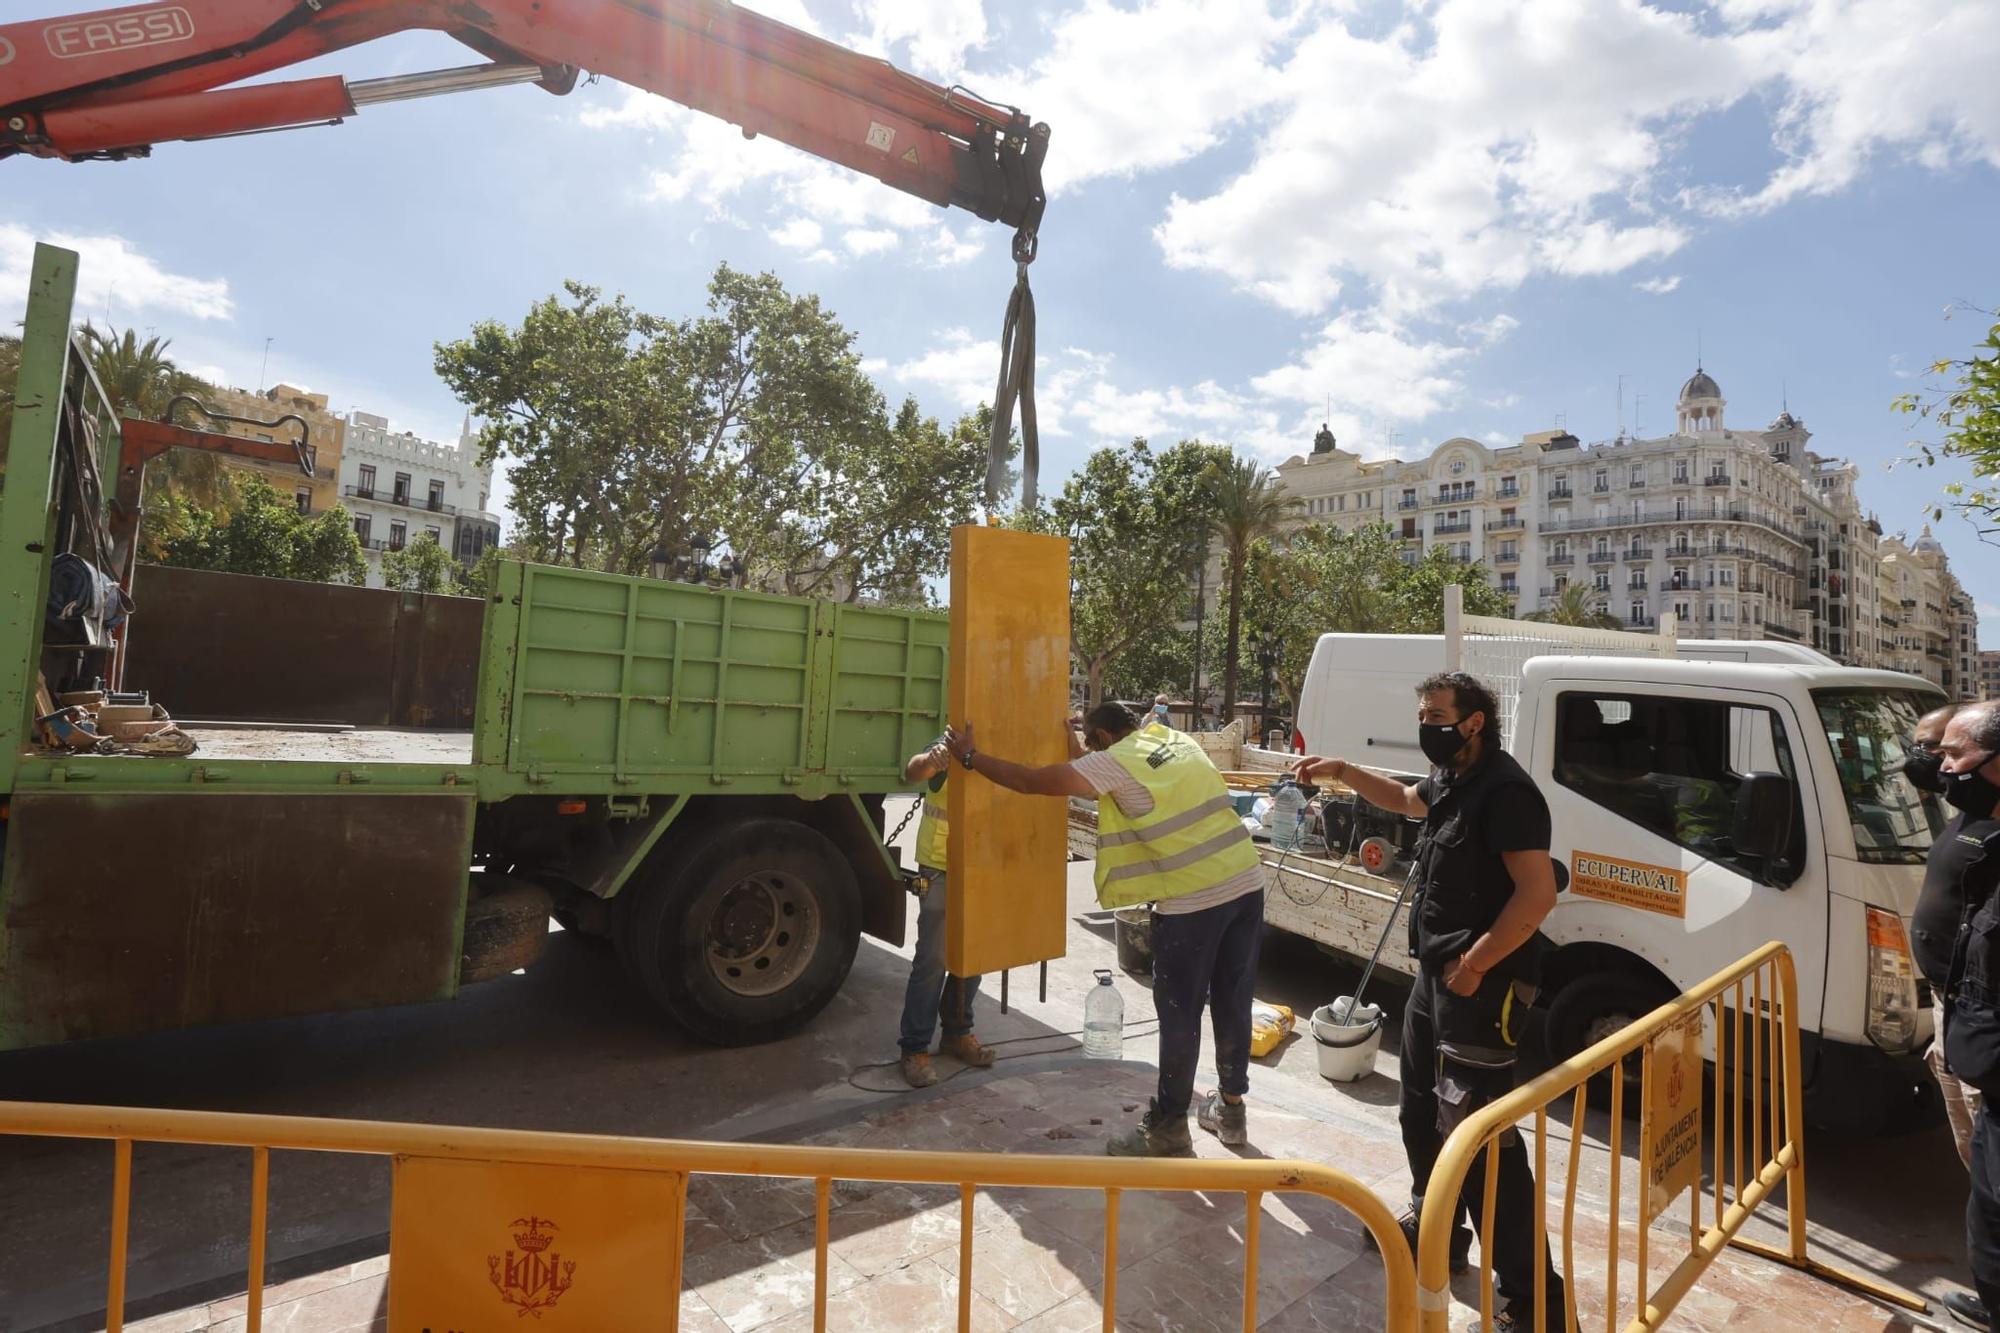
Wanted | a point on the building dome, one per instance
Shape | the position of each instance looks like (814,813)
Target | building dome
(1700,385)
(1784,421)
(1928,544)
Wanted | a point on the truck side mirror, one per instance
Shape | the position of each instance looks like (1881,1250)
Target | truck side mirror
(1765,809)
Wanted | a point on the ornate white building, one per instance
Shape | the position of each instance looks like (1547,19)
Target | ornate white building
(401,488)
(1738,533)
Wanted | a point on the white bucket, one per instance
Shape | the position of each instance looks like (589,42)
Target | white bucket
(1348,1039)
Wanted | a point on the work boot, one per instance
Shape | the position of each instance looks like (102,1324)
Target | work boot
(967,1049)
(1966,1308)
(1225,1119)
(1155,1135)
(1509,1319)
(1461,1241)
(917,1069)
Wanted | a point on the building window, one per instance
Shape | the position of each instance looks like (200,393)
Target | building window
(437,537)
(1509,583)
(305,500)
(361,525)
(1602,582)
(1638,612)
(396,532)
(437,497)
(1638,474)
(366,490)
(1680,610)
(402,488)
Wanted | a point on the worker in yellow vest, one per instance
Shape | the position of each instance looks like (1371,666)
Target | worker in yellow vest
(1167,834)
(933,996)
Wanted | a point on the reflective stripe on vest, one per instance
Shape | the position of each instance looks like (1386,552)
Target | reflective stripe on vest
(932,831)
(1191,840)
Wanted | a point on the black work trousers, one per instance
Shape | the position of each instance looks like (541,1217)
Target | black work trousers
(1210,956)
(1982,1213)
(1438,1093)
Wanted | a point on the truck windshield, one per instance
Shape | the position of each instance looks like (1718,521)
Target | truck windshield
(1894,822)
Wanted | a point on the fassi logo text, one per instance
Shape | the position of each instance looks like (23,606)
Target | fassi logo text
(92,37)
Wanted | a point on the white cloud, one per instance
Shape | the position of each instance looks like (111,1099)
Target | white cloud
(798,234)
(935,34)
(1863,78)
(1659,286)
(962,368)
(115,281)
(869,240)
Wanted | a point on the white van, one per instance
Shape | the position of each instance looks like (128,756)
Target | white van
(1702,807)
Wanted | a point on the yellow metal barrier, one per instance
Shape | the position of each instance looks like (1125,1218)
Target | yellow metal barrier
(675,1161)
(1755,1005)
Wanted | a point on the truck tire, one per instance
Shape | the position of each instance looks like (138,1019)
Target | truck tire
(745,936)
(1591,1008)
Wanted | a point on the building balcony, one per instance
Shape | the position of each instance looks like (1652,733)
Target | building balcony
(403,500)
(1409,504)
(1601,557)
(1638,553)
(1515,524)
(1507,558)
(1654,518)
(1600,488)
(1448,529)
(1467,497)
(1642,622)
(1550,594)
(1561,561)
(1507,493)
(1783,631)
(1561,493)
(1635,485)
(1716,479)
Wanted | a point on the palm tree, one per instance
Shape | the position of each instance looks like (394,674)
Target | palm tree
(1575,605)
(1246,504)
(141,379)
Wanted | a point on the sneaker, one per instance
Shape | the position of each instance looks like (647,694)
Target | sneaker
(1155,1135)
(1461,1241)
(1966,1308)
(968,1050)
(1505,1320)
(1224,1119)
(917,1069)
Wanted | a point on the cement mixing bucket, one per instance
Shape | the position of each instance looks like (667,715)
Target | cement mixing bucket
(1348,1039)
(1132,927)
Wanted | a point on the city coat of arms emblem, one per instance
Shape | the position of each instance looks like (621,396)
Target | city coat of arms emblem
(531,1277)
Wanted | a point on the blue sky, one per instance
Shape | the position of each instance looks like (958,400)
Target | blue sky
(1447,217)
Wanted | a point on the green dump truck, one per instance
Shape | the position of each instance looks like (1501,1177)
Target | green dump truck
(694,773)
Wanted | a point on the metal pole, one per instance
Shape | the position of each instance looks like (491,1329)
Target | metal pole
(1200,592)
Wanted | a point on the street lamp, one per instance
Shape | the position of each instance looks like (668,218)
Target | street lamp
(1200,589)
(701,545)
(663,562)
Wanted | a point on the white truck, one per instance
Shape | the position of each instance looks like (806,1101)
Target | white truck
(1706,796)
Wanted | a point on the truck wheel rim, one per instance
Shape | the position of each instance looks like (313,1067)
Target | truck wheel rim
(762,934)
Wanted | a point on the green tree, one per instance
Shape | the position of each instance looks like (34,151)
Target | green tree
(1418,596)
(141,380)
(264,535)
(423,566)
(10,378)
(1575,605)
(1247,504)
(1137,524)
(1969,413)
(753,424)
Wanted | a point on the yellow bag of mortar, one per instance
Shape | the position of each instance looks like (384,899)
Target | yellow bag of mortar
(1268,1025)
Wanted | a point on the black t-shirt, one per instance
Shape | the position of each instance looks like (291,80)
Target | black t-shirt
(1473,817)
(1963,868)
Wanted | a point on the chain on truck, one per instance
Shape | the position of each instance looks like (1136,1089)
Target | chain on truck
(696,774)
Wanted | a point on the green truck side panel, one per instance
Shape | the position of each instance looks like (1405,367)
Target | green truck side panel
(25,517)
(620,684)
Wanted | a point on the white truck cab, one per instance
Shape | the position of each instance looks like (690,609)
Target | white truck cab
(1701,807)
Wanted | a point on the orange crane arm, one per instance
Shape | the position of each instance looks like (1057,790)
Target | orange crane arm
(114,83)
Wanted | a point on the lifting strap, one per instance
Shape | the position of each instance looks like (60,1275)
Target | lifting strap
(1017,382)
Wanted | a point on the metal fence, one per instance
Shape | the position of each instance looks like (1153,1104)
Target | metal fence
(1757,1122)
(673,1162)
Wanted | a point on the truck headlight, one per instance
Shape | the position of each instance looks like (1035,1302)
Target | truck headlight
(1892,983)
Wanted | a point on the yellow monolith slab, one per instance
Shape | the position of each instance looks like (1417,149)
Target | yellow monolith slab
(1008,853)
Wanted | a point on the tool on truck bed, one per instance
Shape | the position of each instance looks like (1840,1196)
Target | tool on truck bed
(112,84)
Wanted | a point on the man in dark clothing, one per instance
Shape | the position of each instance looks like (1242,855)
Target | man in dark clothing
(1485,884)
(1956,919)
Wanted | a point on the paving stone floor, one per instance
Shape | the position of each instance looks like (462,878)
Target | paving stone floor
(893,1260)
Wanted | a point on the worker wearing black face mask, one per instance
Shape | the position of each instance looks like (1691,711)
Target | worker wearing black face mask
(1958,922)
(1486,883)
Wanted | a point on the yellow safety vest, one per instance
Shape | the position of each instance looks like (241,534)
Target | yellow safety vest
(932,832)
(1192,840)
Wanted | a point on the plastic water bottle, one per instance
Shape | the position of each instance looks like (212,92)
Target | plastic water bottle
(1286,808)
(1104,1020)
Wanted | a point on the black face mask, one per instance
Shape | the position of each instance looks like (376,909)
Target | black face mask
(1972,791)
(1924,768)
(1440,741)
